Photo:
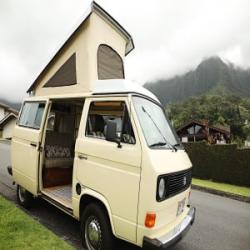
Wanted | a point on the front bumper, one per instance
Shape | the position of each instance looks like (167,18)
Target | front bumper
(173,236)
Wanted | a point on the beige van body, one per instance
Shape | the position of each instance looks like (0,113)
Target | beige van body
(102,150)
(123,179)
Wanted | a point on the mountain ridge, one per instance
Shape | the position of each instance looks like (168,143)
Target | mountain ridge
(211,76)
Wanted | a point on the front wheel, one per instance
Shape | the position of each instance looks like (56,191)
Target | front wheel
(96,232)
(24,198)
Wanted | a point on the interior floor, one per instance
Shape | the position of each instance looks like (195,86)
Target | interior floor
(62,194)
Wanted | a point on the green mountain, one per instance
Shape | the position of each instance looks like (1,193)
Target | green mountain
(212,76)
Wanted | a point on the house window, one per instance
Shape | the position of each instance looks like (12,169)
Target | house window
(32,113)
(100,112)
(109,63)
(197,129)
(190,130)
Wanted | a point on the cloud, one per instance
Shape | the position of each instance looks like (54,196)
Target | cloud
(30,33)
(188,33)
(171,36)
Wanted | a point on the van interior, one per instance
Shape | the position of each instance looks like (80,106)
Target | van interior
(58,154)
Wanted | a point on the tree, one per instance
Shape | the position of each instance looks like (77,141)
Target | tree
(227,110)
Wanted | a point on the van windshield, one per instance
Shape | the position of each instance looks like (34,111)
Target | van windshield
(154,123)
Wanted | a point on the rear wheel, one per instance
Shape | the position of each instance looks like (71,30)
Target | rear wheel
(24,198)
(96,232)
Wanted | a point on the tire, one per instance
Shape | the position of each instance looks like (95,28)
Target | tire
(24,198)
(96,231)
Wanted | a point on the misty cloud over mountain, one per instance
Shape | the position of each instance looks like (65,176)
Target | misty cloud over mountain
(211,76)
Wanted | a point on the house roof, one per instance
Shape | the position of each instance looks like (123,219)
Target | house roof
(8,108)
(94,7)
(4,105)
(224,130)
(6,119)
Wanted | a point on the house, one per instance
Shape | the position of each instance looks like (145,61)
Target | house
(8,118)
(7,126)
(94,50)
(201,130)
(5,110)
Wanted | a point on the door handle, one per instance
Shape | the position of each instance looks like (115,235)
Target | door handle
(81,157)
(33,144)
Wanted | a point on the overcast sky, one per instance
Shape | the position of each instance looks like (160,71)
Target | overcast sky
(170,36)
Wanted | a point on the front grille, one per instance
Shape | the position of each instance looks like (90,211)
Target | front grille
(175,183)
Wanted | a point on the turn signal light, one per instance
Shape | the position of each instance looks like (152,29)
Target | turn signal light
(150,220)
(189,194)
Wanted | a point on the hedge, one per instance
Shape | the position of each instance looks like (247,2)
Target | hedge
(222,163)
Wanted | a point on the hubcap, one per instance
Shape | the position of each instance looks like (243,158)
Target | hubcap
(93,234)
(21,193)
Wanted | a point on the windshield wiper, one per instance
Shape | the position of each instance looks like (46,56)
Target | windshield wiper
(178,145)
(158,144)
(166,142)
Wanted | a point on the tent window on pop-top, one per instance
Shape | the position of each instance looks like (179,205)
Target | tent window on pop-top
(65,75)
(109,63)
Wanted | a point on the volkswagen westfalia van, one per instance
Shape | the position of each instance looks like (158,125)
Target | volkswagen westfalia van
(99,147)
(110,159)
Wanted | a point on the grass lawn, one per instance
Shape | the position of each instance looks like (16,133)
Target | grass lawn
(222,187)
(20,231)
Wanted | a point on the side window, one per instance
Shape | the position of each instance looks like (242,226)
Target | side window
(100,112)
(32,113)
(109,63)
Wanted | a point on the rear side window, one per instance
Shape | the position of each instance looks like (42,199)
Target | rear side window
(100,112)
(32,114)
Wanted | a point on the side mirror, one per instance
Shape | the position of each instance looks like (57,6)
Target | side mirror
(111,132)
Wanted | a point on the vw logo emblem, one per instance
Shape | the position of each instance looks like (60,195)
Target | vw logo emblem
(184,180)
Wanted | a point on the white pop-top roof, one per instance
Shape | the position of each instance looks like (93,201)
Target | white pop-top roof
(121,86)
(93,8)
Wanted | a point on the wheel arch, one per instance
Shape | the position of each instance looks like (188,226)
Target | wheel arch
(90,197)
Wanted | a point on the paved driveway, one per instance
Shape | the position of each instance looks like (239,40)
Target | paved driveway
(4,161)
(221,223)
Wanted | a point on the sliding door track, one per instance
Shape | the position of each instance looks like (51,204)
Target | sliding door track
(57,204)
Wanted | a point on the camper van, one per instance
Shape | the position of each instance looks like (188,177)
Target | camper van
(100,147)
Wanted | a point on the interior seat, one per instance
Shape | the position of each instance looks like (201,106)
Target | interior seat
(58,160)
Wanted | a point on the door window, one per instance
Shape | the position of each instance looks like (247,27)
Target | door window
(32,113)
(100,112)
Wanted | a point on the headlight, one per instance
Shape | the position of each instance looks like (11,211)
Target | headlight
(161,188)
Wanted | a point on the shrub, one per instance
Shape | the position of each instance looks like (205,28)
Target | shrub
(222,163)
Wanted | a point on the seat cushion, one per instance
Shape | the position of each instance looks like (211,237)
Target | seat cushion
(56,151)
